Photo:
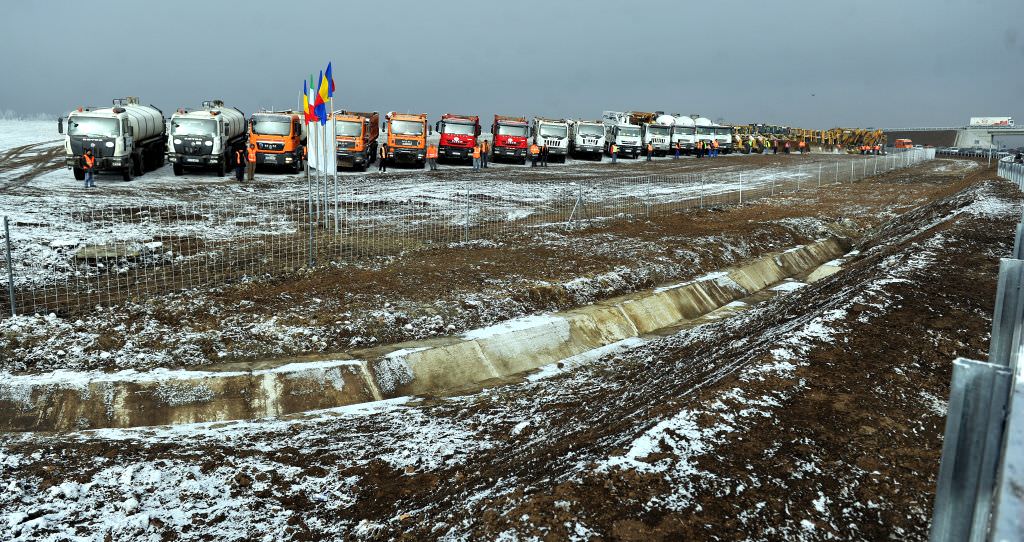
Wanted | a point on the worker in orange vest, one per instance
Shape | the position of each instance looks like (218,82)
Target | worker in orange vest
(878,149)
(476,156)
(250,162)
(802,146)
(714,148)
(432,157)
(650,151)
(239,165)
(534,154)
(484,149)
(614,150)
(88,164)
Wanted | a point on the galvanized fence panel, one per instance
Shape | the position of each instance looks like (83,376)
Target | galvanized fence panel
(121,254)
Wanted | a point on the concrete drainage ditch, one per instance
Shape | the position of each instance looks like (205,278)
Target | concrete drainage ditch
(66,400)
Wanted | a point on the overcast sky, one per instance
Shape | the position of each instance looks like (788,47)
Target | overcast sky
(808,63)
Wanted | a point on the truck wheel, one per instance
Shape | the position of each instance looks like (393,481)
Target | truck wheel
(222,167)
(126,173)
(79,174)
(137,164)
(178,170)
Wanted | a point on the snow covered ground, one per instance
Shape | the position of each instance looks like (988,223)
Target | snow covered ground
(15,133)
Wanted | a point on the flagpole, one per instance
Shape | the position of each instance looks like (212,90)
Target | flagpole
(323,159)
(334,160)
(309,195)
(316,177)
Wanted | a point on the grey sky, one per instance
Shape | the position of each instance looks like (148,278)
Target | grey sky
(867,63)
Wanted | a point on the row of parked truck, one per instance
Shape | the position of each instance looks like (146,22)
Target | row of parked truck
(132,138)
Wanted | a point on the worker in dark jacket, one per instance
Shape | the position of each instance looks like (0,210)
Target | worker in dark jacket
(88,164)
(382,166)
(544,152)
(239,165)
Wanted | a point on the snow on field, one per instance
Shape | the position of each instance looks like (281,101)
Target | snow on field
(15,133)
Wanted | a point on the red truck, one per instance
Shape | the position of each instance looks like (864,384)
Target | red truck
(459,135)
(510,138)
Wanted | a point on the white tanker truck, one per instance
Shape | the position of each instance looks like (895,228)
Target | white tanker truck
(126,137)
(206,137)
(551,132)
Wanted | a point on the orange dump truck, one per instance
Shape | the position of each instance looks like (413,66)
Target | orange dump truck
(407,137)
(280,137)
(357,134)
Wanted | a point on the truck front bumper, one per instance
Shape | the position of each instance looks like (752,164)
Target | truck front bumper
(558,151)
(408,156)
(589,148)
(352,159)
(457,153)
(509,152)
(193,160)
(275,159)
(108,162)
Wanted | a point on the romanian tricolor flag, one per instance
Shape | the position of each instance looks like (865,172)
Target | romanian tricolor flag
(305,102)
(321,99)
(330,81)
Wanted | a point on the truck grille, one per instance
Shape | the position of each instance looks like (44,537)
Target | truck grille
(346,144)
(553,142)
(270,146)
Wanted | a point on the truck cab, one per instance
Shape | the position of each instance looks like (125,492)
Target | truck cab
(458,135)
(280,139)
(407,137)
(205,137)
(127,137)
(587,138)
(509,136)
(622,133)
(705,131)
(655,130)
(723,134)
(551,132)
(356,134)
(684,134)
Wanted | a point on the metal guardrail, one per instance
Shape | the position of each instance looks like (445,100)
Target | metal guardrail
(980,487)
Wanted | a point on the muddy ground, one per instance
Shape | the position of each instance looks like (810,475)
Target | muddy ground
(816,415)
(444,290)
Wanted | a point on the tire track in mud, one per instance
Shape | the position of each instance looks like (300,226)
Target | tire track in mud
(39,158)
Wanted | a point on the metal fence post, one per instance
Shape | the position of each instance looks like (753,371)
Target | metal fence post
(465,234)
(741,188)
(819,175)
(837,174)
(10,265)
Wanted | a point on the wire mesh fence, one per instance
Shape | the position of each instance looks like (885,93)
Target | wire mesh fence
(84,258)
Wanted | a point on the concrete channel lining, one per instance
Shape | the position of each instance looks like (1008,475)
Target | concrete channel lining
(63,401)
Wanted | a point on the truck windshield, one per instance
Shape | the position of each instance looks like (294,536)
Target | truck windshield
(592,130)
(199,127)
(723,131)
(272,127)
(705,130)
(506,130)
(629,131)
(92,126)
(459,129)
(552,130)
(406,127)
(658,130)
(348,128)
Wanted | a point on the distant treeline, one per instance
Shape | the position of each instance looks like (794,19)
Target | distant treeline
(10,114)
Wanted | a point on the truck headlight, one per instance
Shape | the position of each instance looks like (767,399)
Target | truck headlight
(208,143)
(177,142)
(109,144)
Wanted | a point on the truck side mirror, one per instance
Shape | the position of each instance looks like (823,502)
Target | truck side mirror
(60,125)
(131,131)
(225,130)
(437,126)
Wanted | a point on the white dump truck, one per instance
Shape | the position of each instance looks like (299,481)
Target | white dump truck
(684,134)
(655,130)
(586,138)
(127,137)
(624,134)
(206,138)
(551,132)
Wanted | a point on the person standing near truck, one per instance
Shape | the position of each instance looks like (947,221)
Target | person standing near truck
(476,157)
(614,150)
(382,155)
(432,157)
(534,154)
(239,165)
(679,150)
(88,164)
(250,162)
(544,151)
(484,149)
(650,151)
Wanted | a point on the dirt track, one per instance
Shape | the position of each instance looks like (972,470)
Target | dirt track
(20,165)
